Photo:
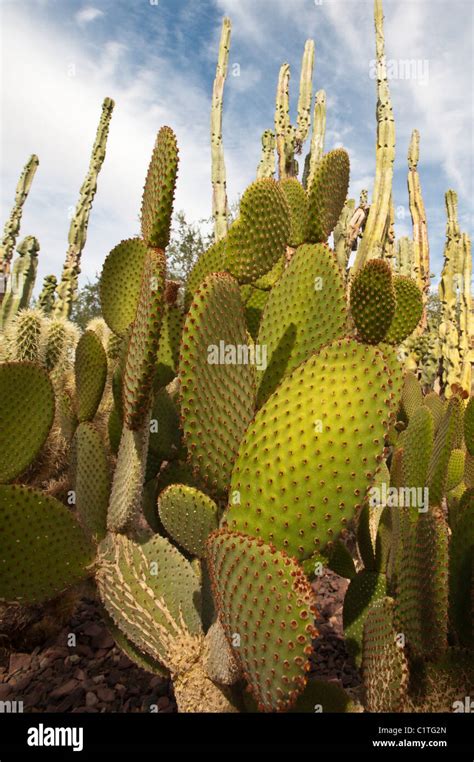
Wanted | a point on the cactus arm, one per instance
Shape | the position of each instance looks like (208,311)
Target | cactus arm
(22,281)
(421,244)
(373,240)
(12,226)
(219,193)
(465,316)
(282,120)
(303,119)
(67,288)
(266,167)
(317,140)
(48,294)
(448,328)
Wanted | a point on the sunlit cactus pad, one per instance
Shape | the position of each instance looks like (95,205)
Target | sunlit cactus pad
(26,414)
(266,606)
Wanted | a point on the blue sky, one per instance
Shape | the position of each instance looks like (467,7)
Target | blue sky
(60,58)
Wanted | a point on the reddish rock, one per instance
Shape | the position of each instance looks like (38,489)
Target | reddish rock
(64,689)
(19,661)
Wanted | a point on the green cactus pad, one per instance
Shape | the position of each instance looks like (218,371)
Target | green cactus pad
(150,591)
(300,485)
(129,476)
(341,561)
(90,371)
(211,261)
(455,469)
(364,590)
(322,697)
(408,311)
(469,470)
(461,572)
(168,350)
(445,441)
(254,300)
(158,194)
(114,430)
(176,472)
(91,480)
(67,417)
(306,310)
(266,606)
(434,403)
(165,431)
(418,448)
(384,663)
(189,516)
(120,284)
(217,399)
(267,281)
(43,550)
(412,395)
(327,194)
(258,238)
(26,415)
(469,426)
(221,665)
(422,583)
(143,345)
(297,201)
(373,301)
(134,654)
(396,371)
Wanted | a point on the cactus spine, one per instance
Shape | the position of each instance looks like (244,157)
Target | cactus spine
(289,138)
(67,288)
(12,226)
(219,193)
(373,241)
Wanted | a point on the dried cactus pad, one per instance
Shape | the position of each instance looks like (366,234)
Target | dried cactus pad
(158,194)
(26,415)
(120,284)
(217,391)
(43,550)
(151,593)
(266,606)
(189,516)
(311,451)
(327,195)
(258,238)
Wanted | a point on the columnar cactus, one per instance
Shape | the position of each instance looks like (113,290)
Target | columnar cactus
(219,193)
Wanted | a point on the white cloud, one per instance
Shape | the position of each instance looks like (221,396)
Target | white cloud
(86,15)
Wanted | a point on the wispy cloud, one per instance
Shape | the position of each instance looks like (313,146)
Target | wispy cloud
(88,14)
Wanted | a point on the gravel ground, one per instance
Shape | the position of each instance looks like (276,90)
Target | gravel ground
(95,676)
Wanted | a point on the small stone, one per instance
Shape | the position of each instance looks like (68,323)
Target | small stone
(92,630)
(91,699)
(19,661)
(163,702)
(64,689)
(106,694)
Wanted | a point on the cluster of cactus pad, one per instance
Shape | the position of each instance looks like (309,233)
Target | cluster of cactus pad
(214,451)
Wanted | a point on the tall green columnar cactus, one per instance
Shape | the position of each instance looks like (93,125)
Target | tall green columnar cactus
(465,313)
(373,240)
(218,174)
(22,280)
(289,138)
(405,256)
(12,225)
(266,167)
(421,245)
(48,294)
(448,287)
(317,140)
(67,288)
